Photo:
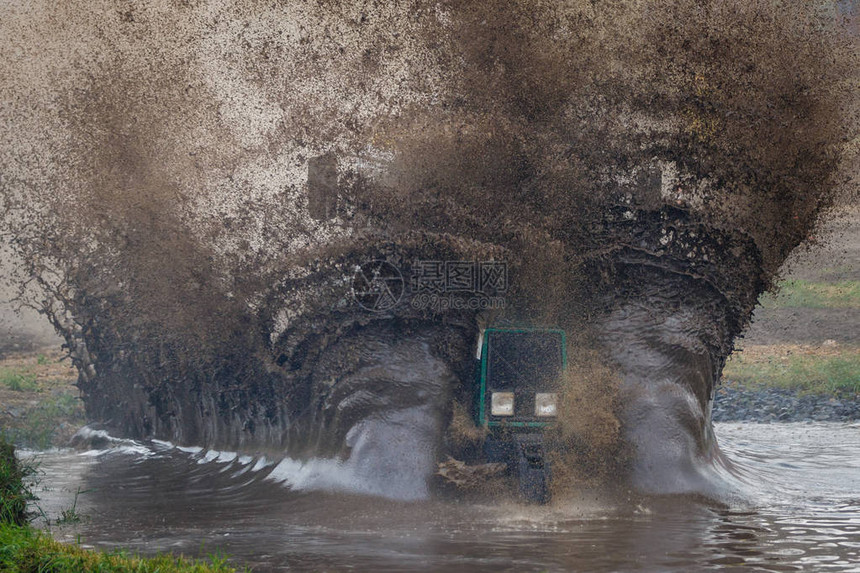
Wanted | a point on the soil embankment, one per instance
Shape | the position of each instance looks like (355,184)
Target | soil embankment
(39,403)
(800,359)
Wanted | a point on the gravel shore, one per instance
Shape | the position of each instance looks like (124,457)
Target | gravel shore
(738,404)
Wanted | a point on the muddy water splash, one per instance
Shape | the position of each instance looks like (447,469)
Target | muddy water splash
(192,185)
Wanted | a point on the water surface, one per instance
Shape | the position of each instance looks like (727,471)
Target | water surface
(797,509)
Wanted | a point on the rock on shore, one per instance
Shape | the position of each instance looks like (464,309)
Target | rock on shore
(737,404)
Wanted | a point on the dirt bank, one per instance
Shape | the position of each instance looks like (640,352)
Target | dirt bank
(39,402)
(800,359)
(833,257)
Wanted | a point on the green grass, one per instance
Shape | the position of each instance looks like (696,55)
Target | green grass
(799,293)
(70,515)
(16,481)
(828,375)
(39,425)
(18,380)
(25,550)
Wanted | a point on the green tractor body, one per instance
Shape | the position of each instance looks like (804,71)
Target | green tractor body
(517,400)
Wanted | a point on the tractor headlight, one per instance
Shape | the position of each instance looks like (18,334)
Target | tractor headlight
(502,404)
(546,404)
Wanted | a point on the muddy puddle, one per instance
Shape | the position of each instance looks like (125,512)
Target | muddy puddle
(795,506)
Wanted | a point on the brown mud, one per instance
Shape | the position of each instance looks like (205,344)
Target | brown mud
(192,186)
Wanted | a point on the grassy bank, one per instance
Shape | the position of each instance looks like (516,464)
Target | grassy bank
(39,403)
(24,549)
(798,293)
(825,369)
(15,484)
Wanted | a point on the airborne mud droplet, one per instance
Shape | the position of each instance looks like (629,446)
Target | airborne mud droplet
(193,184)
